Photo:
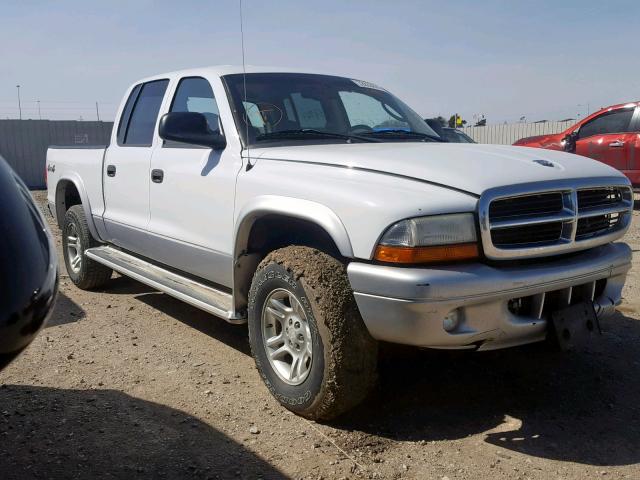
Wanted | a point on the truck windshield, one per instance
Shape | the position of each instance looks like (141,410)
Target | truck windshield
(297,108)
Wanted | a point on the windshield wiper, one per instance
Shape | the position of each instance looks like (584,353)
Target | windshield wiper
(311,133)
(405,133)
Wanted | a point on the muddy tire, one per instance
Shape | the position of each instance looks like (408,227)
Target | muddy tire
(76,238)
(308,340)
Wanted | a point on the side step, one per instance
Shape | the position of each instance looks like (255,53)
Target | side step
(214,301)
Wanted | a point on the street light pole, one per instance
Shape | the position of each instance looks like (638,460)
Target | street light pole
(39,114)
(19,105)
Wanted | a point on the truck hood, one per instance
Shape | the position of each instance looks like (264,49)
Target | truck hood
(472,168)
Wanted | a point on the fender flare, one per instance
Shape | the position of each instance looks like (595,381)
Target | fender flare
(314,212)
(260,206)
(76,180)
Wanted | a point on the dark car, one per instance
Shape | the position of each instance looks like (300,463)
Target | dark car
(28,267)
(448,134)
(453,135)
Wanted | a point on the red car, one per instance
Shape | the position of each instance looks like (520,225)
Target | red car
(610,135)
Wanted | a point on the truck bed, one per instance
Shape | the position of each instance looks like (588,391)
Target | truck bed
(80,164)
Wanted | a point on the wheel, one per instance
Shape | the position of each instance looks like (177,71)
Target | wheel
(308,340)
(76,238)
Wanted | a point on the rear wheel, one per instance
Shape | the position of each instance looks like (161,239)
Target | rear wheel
(76,239)
(309,342)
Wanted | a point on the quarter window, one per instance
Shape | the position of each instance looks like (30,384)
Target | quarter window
(613,122)
(126,113)
(139,131)
(194,94)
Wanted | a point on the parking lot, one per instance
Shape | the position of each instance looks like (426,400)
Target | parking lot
(127,382)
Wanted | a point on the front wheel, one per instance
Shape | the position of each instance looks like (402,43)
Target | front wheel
(309,342)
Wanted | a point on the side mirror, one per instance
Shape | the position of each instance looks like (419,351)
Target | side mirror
(189,127)
(569,142)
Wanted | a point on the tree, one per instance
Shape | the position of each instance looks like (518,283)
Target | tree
(441,120)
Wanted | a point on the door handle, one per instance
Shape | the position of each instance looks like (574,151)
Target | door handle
(111,170)
(617,143)
(157,175)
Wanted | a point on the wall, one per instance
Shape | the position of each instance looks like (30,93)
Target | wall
(24,143)
(509,133)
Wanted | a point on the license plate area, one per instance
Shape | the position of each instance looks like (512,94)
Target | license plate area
(575,325)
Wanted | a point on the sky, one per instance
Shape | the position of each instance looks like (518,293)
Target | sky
(544,60)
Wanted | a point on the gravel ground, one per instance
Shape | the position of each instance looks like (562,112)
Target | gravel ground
(128,382)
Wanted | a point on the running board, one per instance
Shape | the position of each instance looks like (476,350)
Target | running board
(214,301)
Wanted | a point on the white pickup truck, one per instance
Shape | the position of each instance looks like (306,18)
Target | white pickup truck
(327,214)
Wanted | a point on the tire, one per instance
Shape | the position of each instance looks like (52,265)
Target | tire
(85,274)
(342,367)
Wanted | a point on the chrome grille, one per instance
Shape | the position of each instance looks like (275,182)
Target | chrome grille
(537,220)
(526,234)
(544,203)
(592,226)
(599,197)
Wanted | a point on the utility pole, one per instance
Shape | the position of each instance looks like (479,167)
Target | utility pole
(39,114)
(19,105)
(97,111)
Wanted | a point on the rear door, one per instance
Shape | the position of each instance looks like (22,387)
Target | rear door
(127,167)
(608,138)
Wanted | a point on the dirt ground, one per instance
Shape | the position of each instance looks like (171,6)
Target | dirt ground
(127,382)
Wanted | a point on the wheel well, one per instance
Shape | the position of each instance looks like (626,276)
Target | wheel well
(67,196)
(276,231)
(270,233)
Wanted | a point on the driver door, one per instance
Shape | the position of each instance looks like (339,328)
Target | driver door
(192,193)
(608,139)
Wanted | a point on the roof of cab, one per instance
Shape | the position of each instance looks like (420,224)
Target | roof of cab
(221,70)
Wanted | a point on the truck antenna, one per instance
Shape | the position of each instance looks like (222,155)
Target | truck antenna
(244,86)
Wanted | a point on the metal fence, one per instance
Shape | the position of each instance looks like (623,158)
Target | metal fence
(24,143)
(508,133)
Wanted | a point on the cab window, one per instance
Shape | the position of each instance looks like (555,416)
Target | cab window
(194,94)
(143,117)
(610,122)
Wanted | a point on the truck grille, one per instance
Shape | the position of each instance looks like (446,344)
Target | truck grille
(526,234)
(526,224)
(541,204)
(599,197)
(591,226)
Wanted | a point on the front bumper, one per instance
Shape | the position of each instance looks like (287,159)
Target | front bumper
(408,305)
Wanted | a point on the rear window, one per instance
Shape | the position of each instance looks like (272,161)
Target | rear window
(142,121)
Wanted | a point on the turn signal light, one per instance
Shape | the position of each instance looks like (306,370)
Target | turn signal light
(432,254)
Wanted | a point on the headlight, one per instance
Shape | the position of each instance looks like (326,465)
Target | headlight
(430,239)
